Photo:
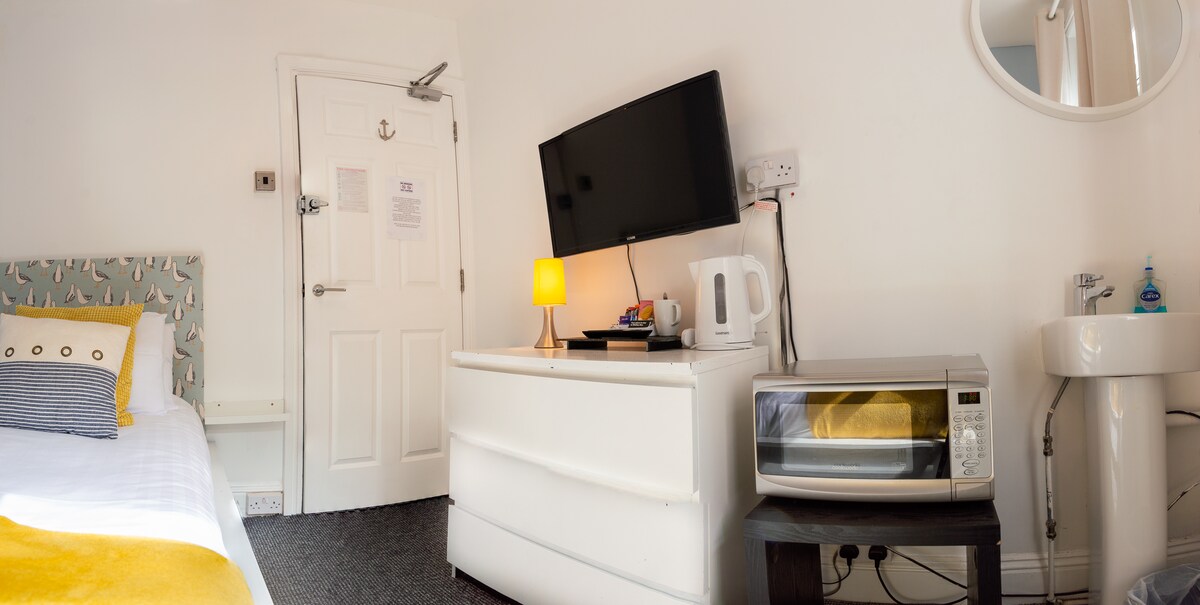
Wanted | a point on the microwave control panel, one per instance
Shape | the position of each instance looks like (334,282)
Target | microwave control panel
(970,434)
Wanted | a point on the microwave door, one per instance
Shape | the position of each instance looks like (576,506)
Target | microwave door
(854,435)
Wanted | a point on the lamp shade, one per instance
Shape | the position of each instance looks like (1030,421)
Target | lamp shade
(549,285)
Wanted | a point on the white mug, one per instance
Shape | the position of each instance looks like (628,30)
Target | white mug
(688,337)
(667,315)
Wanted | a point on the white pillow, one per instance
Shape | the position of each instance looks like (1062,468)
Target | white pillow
(168,364)
(148,393)
(60,376)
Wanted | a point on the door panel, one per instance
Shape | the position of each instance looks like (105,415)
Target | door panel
(422,374)
(375,353)
(355,399)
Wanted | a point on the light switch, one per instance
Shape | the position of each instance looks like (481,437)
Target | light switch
(264,181)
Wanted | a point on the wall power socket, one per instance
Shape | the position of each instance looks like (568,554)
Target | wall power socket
(264,503)
(778,171)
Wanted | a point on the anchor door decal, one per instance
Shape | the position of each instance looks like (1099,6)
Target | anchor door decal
(383,124)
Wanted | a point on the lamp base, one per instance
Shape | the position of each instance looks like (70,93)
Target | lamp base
(548,339)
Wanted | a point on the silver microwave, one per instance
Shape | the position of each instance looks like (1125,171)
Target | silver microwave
(895,429)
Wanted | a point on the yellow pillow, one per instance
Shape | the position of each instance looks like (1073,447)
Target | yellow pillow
(127,316)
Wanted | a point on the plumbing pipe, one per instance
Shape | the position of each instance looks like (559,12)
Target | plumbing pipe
(1051,523)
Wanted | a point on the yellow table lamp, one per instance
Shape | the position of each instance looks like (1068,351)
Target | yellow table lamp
(549,291)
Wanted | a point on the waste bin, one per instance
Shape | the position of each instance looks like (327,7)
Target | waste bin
(1174,586)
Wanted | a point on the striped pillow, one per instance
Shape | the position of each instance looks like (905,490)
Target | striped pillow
(60,376)
(126,315)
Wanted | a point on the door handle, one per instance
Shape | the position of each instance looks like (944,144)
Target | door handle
(319,290)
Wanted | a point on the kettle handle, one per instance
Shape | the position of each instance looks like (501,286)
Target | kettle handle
(753,266)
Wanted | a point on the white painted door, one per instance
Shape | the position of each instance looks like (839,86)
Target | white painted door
(375,354)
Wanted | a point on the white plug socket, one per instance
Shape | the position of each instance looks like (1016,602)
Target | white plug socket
(264,503)
(778,171)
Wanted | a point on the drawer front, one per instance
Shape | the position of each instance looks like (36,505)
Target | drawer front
(636,435)
(535,575)
(654,542)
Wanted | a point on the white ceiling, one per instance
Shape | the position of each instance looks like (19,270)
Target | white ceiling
(448,9)
(1005,22)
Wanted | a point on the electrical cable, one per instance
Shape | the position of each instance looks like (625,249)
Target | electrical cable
(1042,594)
(787,283)
(1181,495)
(1185,492)
(783,322)
(629,257)
(960,585)
(925,567)
(783,348)
(849,568)
(746,229)
(879,574)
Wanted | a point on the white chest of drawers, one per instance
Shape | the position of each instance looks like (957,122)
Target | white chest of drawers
(602,477)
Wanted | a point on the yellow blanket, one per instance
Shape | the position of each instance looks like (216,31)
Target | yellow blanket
(40,566)
(878,414)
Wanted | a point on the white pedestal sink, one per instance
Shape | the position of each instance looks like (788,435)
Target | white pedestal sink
(1123,359)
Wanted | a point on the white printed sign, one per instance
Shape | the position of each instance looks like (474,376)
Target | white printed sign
(406,209)
(352,189)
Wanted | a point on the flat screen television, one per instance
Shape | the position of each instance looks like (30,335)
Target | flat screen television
(655,167)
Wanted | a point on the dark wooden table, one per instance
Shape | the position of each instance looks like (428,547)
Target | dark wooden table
(784,537)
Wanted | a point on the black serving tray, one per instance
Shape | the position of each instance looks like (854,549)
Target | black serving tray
(651,343)
(627,334)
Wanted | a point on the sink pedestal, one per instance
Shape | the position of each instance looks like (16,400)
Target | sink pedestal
(1127,482)
(1122,360)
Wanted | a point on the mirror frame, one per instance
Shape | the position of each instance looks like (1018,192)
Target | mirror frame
(1067,112)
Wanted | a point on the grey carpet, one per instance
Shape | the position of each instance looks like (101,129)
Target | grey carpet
(388,554)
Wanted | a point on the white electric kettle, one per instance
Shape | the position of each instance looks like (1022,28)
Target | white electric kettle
(723,316)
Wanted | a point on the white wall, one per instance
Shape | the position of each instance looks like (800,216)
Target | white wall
(135,127)
(935,213)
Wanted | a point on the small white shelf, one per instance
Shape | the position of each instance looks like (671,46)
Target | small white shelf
(244,412)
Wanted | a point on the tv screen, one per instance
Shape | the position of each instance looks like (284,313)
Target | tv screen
(655,167)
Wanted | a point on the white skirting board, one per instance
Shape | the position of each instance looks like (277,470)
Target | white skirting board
(234,533)
(1020,572)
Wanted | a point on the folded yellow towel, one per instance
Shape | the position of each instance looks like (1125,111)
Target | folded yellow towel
(878,414)
(40,566)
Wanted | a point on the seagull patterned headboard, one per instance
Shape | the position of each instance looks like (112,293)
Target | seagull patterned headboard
(165,284)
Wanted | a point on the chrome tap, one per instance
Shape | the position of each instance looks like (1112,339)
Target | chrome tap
(1087,293)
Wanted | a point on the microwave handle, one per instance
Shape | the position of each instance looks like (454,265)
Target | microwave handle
(753,266)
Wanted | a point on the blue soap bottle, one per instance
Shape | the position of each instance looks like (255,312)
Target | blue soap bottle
(1149,292)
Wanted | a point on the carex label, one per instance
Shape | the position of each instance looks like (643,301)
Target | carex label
(1149,299)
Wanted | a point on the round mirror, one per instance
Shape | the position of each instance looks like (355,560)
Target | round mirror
(1080,59)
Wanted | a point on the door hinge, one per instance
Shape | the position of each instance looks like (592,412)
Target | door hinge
(462,280)
(456,131)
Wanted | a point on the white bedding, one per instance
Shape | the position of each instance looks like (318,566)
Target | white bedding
(154,480)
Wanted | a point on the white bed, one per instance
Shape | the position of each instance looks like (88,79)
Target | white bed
(158,478)
(155,480)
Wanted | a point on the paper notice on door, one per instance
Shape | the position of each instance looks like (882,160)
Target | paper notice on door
(351,189)
(406,209)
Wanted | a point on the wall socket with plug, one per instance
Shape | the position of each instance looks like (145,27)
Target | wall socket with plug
(264,503)
(777,171)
